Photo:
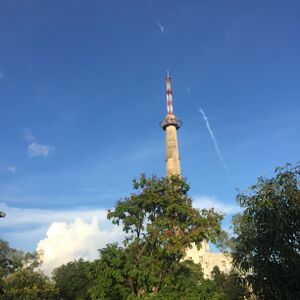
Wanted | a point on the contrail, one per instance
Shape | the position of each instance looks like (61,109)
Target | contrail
(188,90)
(213,138)
(154,16)
(161,27)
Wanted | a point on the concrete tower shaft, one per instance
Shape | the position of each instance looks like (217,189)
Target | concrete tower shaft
(170,124)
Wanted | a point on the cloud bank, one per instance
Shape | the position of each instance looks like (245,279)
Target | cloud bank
(207,202)
(69,241)
(23,217)
(63,235)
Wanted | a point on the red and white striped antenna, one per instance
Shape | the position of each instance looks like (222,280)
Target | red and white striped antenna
(169,94)
(170,119)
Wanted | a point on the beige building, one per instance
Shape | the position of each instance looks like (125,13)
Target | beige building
(171,124)
(208,259)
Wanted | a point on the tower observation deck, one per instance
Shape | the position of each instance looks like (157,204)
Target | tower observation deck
(171,124)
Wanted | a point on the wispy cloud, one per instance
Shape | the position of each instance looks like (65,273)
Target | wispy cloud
(161,27)
(36,149)
(22,217)
(204,201)
(1,74)
(11,169)
(28,136)
(154,16)
(221,157)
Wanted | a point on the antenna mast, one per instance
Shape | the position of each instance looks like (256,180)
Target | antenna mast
(169,95)
(171,124)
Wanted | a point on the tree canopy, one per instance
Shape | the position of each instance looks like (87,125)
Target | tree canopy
(19,277)
(72,280)
(27,284)
(160,223)
(267,235)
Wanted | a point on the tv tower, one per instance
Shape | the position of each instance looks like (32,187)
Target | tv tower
(170,124)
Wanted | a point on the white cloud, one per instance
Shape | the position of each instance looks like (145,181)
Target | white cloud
(69,241)
(28,136)
(36,149)
(63,235)
(21,217)
(207,202)
(11,169)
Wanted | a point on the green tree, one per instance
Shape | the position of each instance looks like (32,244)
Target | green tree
(160,224)
(228,286)
(267,241)
(12,259)
(108,274)
(27,284)
(19,278)
(186,282)
(72,280)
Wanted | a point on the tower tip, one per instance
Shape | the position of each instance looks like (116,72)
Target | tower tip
(169,94)
(168,73)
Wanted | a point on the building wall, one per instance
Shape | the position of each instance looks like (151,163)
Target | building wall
(209,260)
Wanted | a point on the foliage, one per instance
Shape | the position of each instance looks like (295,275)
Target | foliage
(228,286)
(160,224)
(184,283)
(27,284)
(72,280)
(188,283)
(19,280)
(12,259)
(108,274)
(267,242)
(9,259)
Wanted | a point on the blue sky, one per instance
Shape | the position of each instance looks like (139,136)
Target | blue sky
(82,94)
